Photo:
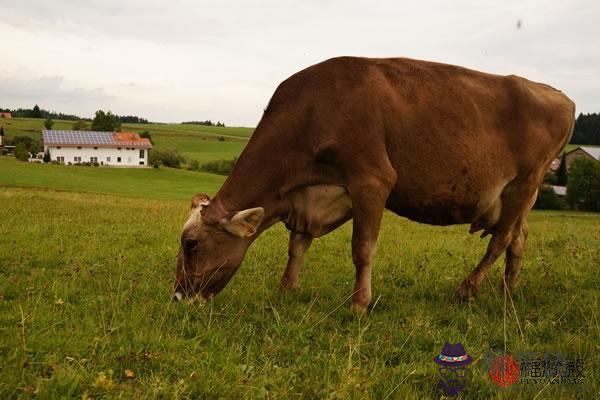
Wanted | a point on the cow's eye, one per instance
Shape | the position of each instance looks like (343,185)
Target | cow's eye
(189,245)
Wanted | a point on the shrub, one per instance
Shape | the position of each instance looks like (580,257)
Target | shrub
(168,156)
(550,178)
(583,187)
(46,158)
(21,152)
(193,165)
(548,200)
(80,125)
(220,167)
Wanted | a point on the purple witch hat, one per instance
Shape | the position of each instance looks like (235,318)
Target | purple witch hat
(453,355)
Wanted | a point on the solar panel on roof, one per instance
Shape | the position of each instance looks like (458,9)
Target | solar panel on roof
(87,138)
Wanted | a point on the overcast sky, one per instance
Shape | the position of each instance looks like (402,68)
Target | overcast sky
(183,60)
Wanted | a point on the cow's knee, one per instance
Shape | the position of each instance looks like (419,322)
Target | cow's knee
(298,245)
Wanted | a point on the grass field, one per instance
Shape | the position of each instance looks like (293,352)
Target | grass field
(86,281)
(202,143)
(150,183)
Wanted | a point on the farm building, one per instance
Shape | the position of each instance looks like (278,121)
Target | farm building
(120,149)
(5,114)
(592,153)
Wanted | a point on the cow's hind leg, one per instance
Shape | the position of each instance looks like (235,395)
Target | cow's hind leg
(496,247)
(514,256)
(517,200)
(299,244)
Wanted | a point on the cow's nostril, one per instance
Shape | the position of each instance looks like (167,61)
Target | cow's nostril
(189,244)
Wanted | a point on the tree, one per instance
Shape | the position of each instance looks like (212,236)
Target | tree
(108,122)
(48,123)
(583,189)
(587,129)
(46,158)
(146,134)
(561,174)
(36,113)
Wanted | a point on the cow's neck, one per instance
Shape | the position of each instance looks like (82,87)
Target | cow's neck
(254,182)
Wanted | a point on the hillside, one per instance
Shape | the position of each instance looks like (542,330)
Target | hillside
(195,142)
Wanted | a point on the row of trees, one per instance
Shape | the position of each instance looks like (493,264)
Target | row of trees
(37,112)
(208,122)
(587,129)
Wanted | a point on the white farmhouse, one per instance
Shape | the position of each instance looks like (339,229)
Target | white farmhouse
(119,149)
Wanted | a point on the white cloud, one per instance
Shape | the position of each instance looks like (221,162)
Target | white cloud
(222,60)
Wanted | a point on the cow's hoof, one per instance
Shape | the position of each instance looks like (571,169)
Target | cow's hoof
(466,290)
(510,285)
(359,308)
(288,286)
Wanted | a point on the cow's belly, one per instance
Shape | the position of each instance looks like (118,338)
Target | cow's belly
(447,207)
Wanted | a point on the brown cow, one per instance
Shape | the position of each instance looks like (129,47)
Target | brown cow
(349,137)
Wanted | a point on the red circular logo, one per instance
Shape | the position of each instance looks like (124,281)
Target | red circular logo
(504,371)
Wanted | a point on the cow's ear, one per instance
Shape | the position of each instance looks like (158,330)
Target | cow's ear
(244,223)
(199,200)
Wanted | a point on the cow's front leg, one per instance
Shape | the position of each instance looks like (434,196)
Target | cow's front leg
(298,246)
(368,204)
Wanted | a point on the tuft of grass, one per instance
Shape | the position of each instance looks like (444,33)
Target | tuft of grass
(86,279)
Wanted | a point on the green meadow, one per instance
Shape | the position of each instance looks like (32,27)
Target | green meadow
(149,183)
(87,265)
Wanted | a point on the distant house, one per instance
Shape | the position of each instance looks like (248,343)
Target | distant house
(560,191)
(120,149)
(5,114)
(592,153)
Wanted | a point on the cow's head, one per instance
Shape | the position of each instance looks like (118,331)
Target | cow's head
(213,244)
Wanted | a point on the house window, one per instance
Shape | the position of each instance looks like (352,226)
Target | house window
(95,148)
(76,159)
(118,148)
(60,160)
(93,159)
(118,159)
(141,163)
(142,154)
(79,147)
(107,159)
(58,147)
